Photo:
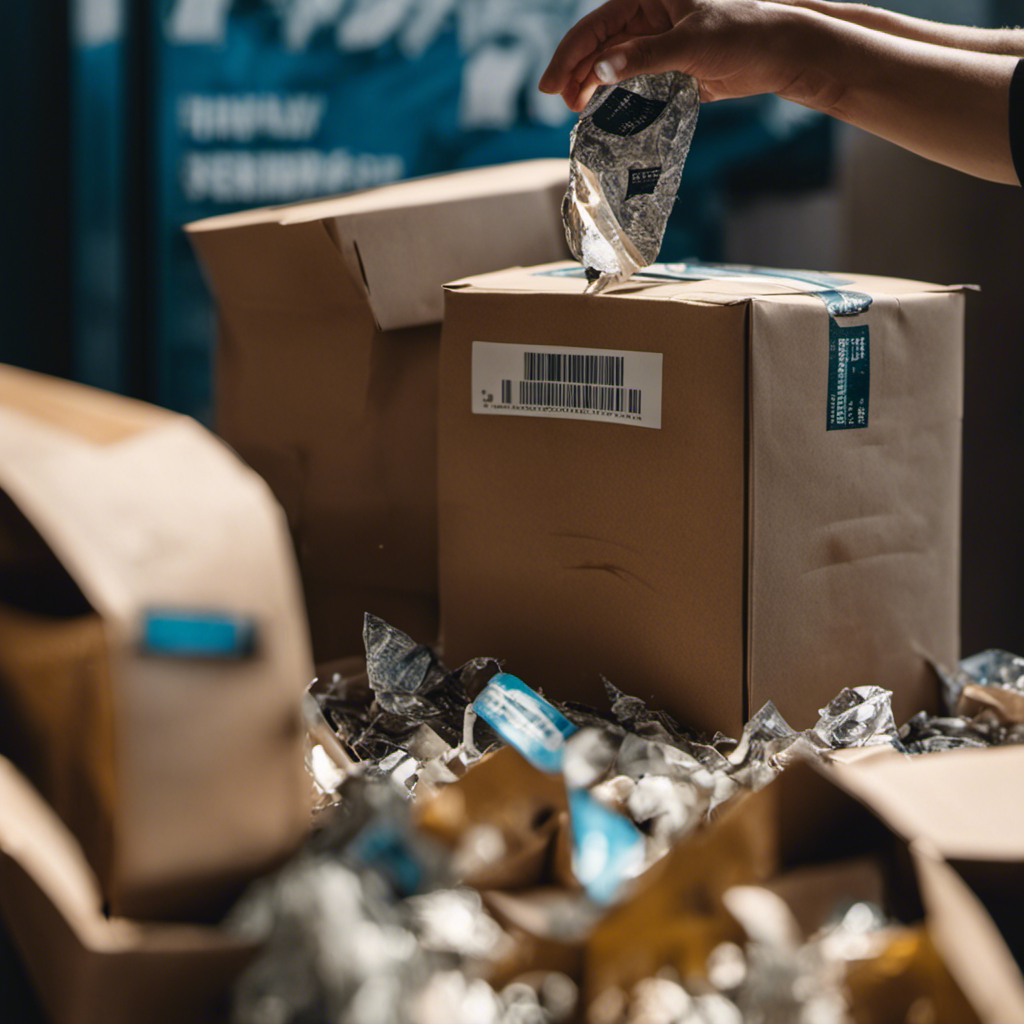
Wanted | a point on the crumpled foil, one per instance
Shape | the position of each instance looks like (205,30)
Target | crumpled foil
(410,718)
(989,668)
(370,921)
(627,152)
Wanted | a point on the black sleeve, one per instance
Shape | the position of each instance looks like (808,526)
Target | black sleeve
(1017,120)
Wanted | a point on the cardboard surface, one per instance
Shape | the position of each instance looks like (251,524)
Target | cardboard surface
(741,553)
(327,370)
(967,804)
(197,763)
(88,968)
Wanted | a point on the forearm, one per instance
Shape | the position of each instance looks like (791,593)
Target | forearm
(1008,41)
(946,104)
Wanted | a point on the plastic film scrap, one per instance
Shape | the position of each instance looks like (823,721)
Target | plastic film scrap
(627,152)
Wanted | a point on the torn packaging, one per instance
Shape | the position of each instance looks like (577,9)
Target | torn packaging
(326,378)
(751,548)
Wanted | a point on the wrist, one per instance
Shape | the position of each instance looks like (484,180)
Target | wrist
(809,47)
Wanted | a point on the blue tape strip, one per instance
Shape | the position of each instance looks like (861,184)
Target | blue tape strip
(839,301)
(525,720)
(190,634)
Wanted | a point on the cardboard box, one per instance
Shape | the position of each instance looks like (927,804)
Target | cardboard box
(326,379)
(86,967)
(966,805)
(819,841)
(153,648)
(774,518)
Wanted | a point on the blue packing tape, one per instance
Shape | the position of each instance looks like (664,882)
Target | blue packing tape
(525,720)
(839,300)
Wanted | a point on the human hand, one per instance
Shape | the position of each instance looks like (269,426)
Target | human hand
(732,47)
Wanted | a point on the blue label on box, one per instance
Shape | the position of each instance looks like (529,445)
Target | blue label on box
(525,720)
(197,634)
(849,376)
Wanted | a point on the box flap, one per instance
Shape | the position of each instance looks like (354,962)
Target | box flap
(86,966)
(968,941)
(400,243)
(82,411)
(475,183)
(966,803)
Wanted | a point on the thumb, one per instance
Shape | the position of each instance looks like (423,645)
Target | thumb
(645,55)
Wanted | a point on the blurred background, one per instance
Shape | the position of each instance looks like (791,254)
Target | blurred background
(126,120)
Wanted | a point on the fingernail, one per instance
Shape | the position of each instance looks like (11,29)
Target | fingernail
(608,70)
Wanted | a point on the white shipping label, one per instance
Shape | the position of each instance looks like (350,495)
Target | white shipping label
(567,383)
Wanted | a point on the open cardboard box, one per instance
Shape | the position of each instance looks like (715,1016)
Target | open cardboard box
(153,647)
(968,805)
(327,363)
(818,835)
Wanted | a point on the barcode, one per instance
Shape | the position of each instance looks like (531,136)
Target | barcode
(574,369)
(551,394)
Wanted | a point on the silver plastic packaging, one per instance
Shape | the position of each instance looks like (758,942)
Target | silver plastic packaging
(626,156)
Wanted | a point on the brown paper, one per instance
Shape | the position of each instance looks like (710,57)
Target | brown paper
(1008,705)
(675,916)
(88,968)
(811,836)
(326,380)
(741,553)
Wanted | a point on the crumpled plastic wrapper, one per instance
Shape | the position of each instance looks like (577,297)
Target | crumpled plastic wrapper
(626,156)
(984,706)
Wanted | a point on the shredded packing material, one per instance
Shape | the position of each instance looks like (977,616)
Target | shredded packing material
(482,863)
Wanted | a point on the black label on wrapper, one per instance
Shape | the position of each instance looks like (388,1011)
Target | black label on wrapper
(625,113)
(849,376)
(642,181)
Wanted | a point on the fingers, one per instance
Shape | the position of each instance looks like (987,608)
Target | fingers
(646,55)
(586,38)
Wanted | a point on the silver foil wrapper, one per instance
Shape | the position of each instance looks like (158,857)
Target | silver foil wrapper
(627,152)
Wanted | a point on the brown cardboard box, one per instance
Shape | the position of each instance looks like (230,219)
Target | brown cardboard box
(745,550)
(968,805)
(817,837)
(181,777)
(327,369)
(88,968)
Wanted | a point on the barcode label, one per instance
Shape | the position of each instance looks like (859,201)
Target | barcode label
(573,367)
(567,383)
(573,396)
